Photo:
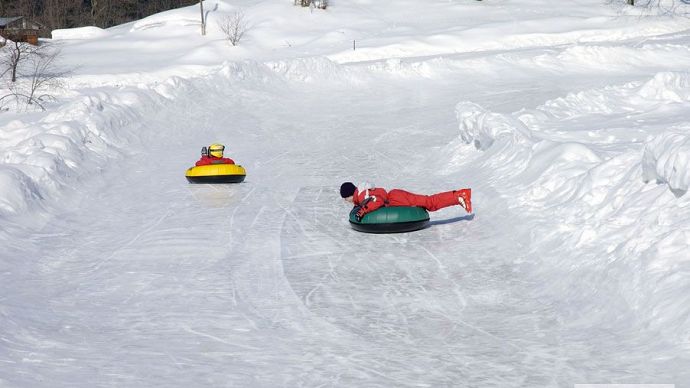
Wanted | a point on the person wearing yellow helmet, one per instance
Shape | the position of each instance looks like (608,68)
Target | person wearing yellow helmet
(213,154)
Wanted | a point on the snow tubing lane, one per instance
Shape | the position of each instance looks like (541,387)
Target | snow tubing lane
(216,173)
(392,219)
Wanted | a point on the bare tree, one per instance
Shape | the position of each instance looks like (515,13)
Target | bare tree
(13,55)
(668,7)
(321,4)
(43,76)
(234,27)
(100,12)
(34,73)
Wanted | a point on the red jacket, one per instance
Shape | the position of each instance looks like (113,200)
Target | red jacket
(206,160)
(370,199)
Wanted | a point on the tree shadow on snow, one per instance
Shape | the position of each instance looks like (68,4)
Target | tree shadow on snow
(468,217)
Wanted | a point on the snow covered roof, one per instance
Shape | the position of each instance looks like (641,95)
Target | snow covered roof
(5,21)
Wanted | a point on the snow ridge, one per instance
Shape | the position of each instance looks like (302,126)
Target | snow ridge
(666,160)
(41,157)
(562,165)
(481,127)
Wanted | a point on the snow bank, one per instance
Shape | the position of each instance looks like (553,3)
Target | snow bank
(79,33)
(548,170)
(316,69)
(18,192)
(481,127)
(579,59)
(428,68)
(567,144)
(665,157)
(629,98)
(666,160)
(187,16)
(522,34)
(666,87)
(616,59)
(40,158)
(575,163)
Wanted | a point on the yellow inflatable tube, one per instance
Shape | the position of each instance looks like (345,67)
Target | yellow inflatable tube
(216,173)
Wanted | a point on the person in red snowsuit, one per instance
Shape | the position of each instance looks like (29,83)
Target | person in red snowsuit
(370,199)
(213,155)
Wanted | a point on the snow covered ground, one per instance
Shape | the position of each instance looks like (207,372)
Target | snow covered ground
(570,123)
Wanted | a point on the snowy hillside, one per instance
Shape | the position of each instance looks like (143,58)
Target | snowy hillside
(570,123)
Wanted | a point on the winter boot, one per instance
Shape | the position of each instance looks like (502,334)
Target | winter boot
(465,199)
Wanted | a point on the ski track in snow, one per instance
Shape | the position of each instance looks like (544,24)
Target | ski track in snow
(150,281)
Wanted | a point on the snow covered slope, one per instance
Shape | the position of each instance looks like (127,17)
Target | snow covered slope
(570,123)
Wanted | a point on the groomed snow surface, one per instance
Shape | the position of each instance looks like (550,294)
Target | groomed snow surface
(570,123)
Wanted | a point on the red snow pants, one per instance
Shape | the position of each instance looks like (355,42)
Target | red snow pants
(397,197)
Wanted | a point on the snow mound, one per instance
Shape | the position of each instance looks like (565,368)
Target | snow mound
(588,175)
(90,32)
(616,59)
(174,18)
(666,159)
(249,71)
(481,127)
(310,69)
(557,163)
(663,88)
(40,158)
(396,66)
(18,192)
(549,171)
(667,87)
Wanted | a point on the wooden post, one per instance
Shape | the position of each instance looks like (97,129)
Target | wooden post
(353,45)
(203,22)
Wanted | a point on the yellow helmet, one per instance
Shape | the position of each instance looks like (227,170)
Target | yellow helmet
(216,150)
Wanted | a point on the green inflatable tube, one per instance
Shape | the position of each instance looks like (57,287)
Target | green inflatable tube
(392,219)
